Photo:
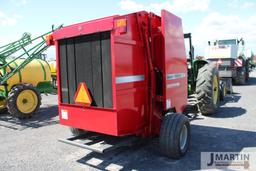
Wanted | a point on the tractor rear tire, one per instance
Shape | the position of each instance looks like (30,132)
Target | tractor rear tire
(77,131)
(175,135)
(23,101)
(207,89)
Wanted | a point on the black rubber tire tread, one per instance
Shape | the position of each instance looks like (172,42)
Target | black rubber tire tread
(12,98)
(222,91)
(77,131)
(3,111)
(169,139)
(247,70)
(204,89)
(240,79)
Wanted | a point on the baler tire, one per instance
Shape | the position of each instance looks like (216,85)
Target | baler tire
(77,131)
(12,104)
(207,92)
(171,134)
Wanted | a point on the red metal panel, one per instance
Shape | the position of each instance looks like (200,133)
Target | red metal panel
(91,119)
(113,61)
(175,69)
(130,110)
(129,67)
(99,25)
(58,70)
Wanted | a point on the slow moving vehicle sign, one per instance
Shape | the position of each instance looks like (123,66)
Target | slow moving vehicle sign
(82,95)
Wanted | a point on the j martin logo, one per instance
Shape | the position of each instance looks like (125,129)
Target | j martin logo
(228,160)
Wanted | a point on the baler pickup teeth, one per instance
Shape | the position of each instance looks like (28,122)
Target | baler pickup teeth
(98,142)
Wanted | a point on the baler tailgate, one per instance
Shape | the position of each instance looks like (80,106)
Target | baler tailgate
(175,62)
(98,142)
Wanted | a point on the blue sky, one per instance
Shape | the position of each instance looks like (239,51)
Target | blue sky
(206,19)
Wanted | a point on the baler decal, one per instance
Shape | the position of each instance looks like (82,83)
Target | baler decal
(129,79)
(175,76)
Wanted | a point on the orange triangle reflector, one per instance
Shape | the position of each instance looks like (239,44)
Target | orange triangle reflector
(82,95)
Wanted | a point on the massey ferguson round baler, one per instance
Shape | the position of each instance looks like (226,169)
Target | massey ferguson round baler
(124,76)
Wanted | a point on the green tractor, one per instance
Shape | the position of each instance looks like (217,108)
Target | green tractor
(203,81)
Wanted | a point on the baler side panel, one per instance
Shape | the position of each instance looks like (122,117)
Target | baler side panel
(130,78)
(175,72)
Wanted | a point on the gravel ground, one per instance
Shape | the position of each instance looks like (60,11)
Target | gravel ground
(33,145)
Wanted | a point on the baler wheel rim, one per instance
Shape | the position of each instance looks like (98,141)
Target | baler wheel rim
(183,137)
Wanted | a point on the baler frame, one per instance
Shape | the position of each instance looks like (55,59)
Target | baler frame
(155,90)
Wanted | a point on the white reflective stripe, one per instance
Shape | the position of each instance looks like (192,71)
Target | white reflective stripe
(129,79)
(175,76)
(173,85)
